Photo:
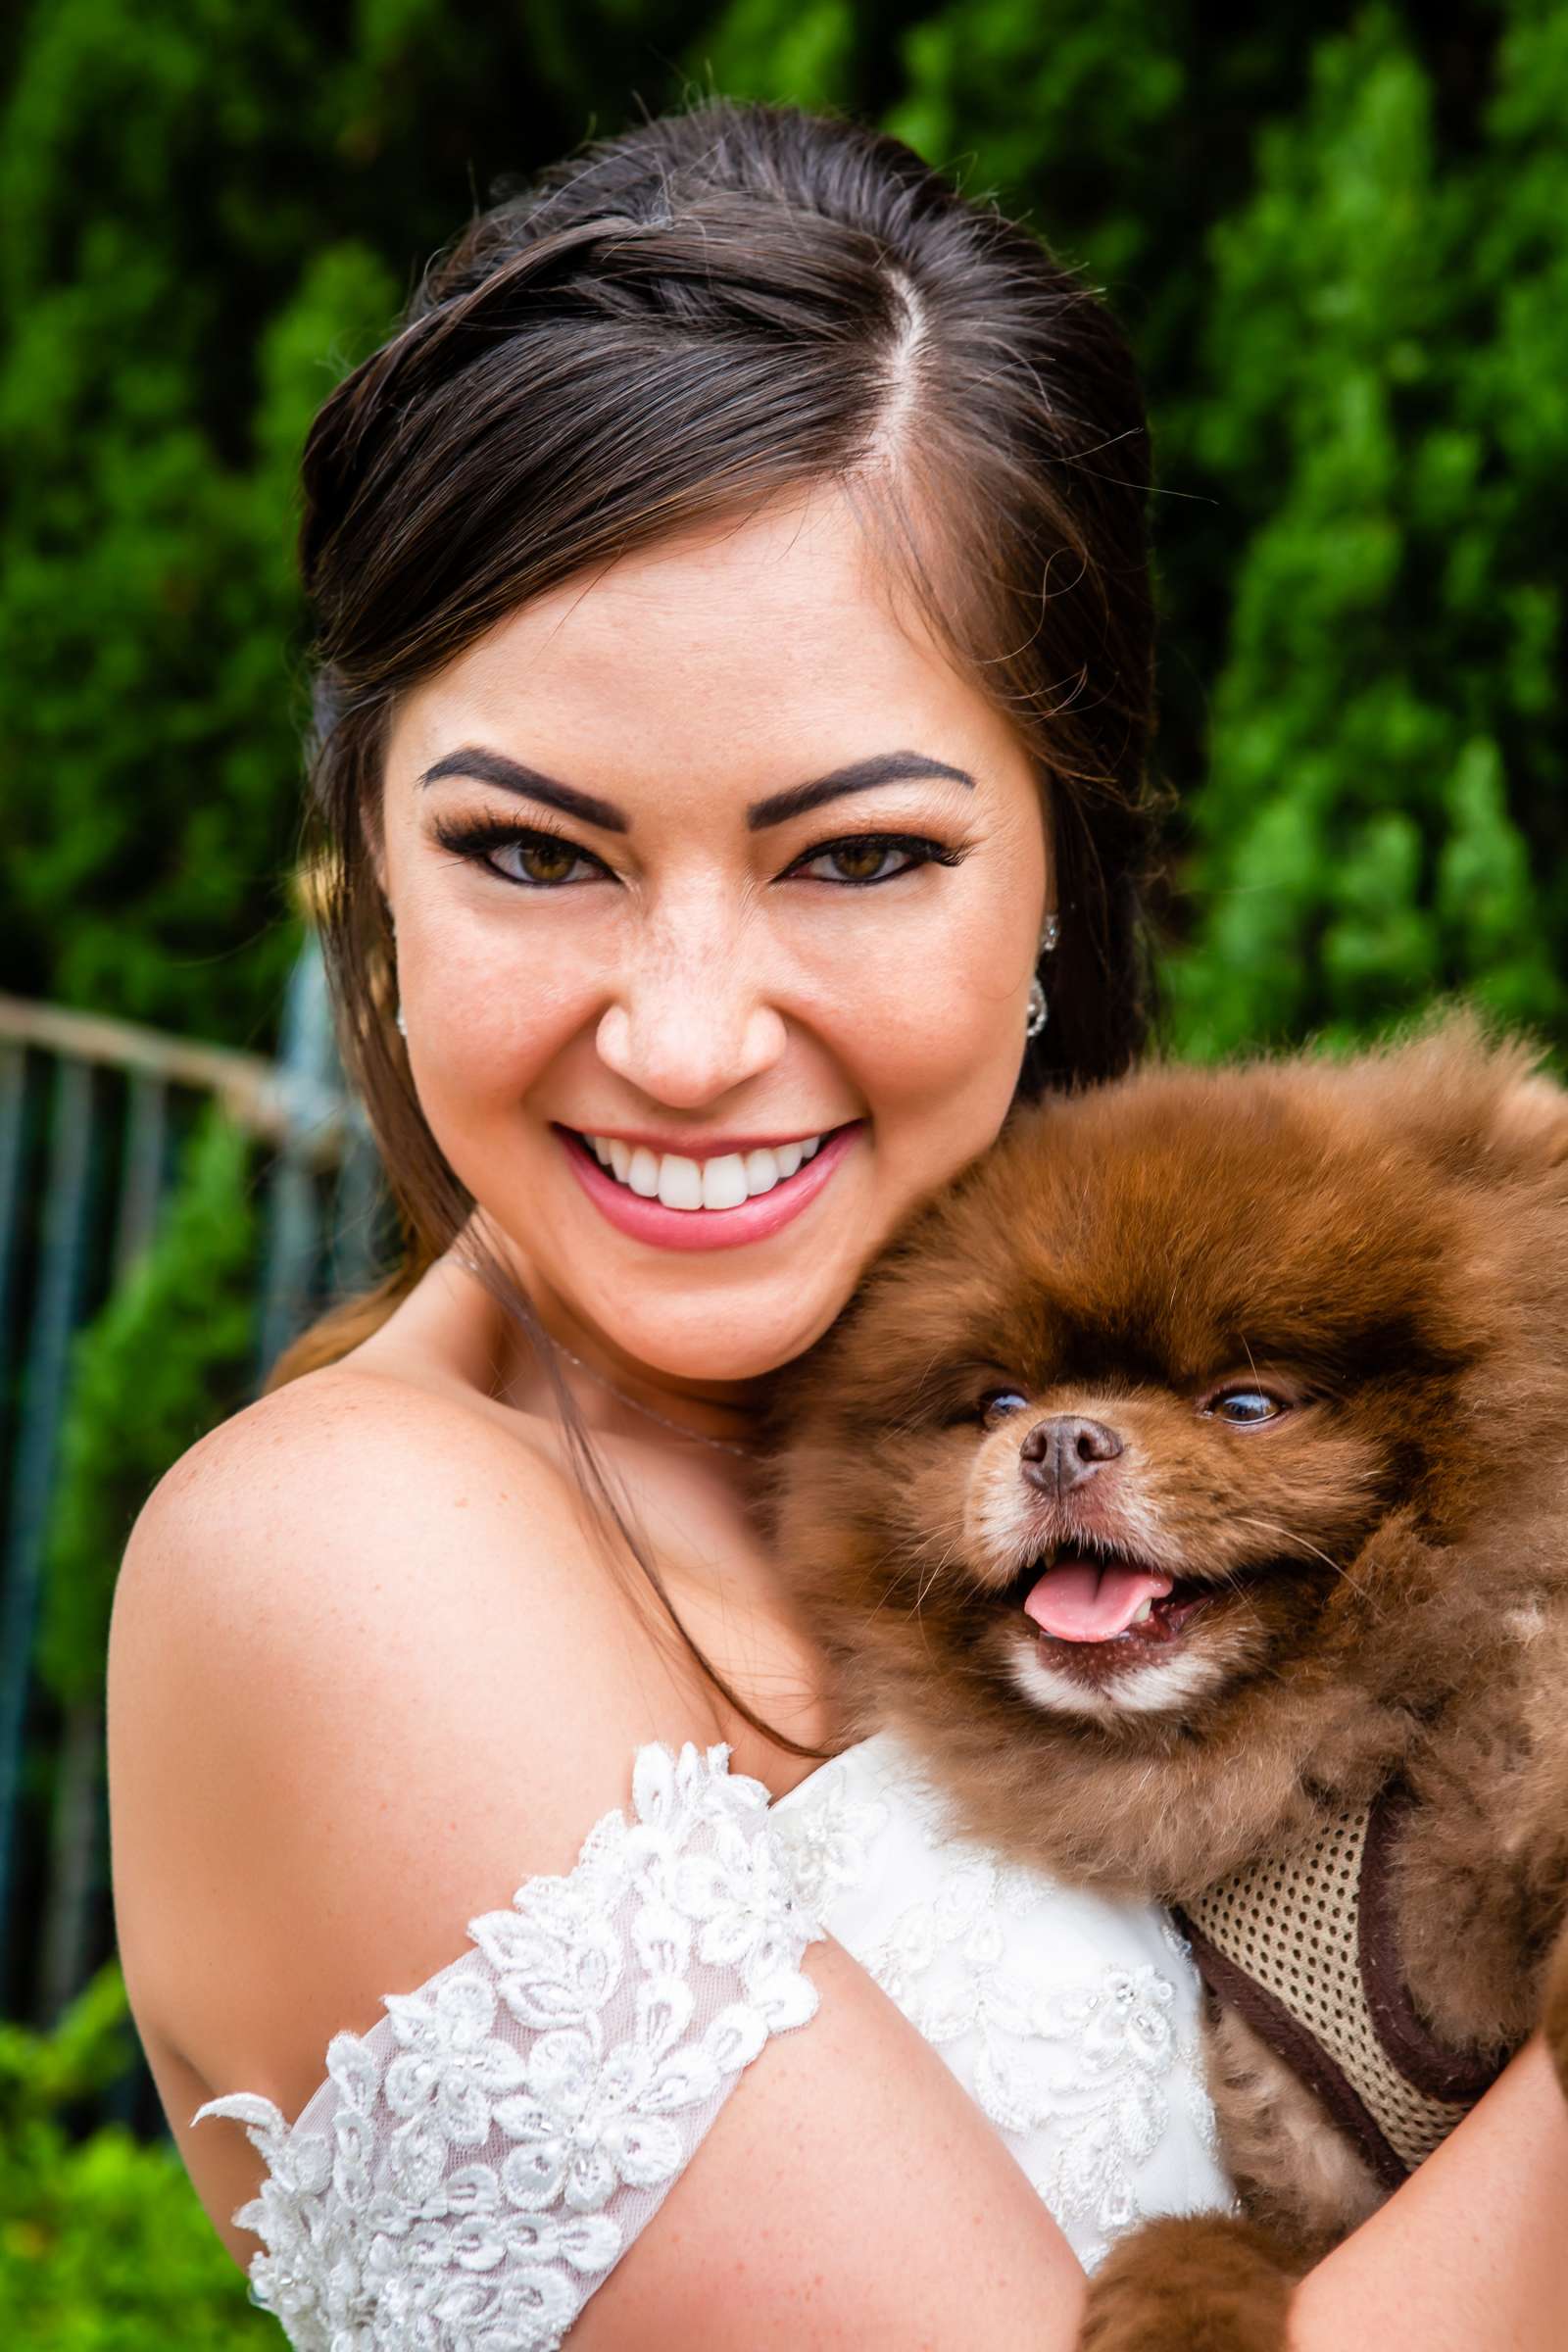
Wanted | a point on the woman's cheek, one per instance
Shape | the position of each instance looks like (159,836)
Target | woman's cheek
(495,1021)
(936,1018)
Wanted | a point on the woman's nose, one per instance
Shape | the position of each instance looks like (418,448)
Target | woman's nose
(689,1023)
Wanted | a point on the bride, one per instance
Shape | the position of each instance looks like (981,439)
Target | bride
(734,682)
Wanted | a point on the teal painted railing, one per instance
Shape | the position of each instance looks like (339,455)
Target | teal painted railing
(92,1114)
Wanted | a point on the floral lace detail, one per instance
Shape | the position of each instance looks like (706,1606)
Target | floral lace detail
(473,2167)
(827,1840)
(1048,2003)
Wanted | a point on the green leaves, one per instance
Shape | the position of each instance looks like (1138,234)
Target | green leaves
(103,2244)
(770,48)
(1393,658)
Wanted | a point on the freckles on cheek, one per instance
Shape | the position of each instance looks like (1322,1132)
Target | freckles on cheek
(493,1029)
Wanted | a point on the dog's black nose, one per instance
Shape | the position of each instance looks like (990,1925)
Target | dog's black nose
(1060,1453)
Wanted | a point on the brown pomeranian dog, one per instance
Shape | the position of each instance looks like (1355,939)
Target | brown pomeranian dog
(1189,1483)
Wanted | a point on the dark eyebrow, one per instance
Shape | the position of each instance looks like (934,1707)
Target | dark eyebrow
(494,767)
(883,767)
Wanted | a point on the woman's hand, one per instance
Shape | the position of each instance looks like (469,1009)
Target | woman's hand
(1471,2255)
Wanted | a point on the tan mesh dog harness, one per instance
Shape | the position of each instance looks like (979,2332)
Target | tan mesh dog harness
(1301,1946)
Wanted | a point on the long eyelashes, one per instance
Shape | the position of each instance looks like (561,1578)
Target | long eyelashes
(477,838)
(915,848)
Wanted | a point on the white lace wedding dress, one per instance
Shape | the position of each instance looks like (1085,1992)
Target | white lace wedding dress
(473,2166)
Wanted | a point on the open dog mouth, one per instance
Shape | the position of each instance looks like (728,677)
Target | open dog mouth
(1107,1600)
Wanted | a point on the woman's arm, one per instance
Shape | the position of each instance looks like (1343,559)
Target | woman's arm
(841,2199)
(851,2198)
(1471,2255)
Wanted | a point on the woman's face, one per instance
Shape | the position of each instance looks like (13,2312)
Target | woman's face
(714,858)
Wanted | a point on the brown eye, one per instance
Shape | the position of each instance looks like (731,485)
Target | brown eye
(859,860)
(1245,1409)
(998,1404)
(545,860)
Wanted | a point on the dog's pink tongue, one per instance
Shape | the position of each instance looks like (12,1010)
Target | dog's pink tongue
(1081,1602)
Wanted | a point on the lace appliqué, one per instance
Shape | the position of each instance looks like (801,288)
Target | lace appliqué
(827,1840)
(473,2167)
(1085,2074)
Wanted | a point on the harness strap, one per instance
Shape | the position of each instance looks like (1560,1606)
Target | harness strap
(1302,1945)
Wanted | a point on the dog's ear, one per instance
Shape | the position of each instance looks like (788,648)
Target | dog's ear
(1531,1121)
(1475,1103)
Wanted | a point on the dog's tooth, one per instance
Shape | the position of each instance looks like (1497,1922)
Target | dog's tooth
(1143,1615)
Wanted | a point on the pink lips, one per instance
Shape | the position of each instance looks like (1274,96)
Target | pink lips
(705,1228)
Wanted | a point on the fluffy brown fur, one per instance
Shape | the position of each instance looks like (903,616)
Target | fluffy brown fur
(1374,1575)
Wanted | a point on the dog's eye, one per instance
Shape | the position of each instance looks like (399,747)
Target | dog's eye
(996,1403)
(1245,1407)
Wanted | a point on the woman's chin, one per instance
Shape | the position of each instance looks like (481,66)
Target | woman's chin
(712,1353)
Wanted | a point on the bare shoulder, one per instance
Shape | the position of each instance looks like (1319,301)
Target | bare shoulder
(311,1456)
(353,1558)
(368,1671)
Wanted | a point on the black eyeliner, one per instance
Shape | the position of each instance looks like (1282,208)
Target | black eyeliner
(931,852)
(470,838)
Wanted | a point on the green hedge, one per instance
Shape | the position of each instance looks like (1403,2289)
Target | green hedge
(171,1356)
(103,2244)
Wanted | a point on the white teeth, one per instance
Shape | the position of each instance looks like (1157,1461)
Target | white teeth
(1143,1615)
(725,1182)
(680,1181)
(762,1171)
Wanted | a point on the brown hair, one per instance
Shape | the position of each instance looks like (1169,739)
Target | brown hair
(716,306)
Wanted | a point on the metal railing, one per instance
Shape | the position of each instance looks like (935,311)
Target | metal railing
(92,1115)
